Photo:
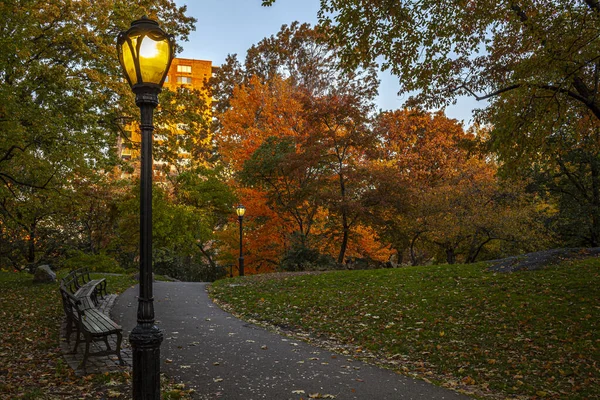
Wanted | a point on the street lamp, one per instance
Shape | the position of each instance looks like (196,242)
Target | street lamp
(241,210)
(145,53)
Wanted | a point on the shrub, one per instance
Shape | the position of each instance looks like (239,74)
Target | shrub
(95,262)
(185,268)
(302,257)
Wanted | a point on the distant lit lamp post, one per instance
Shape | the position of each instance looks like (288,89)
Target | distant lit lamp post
(145,53)
(241,210)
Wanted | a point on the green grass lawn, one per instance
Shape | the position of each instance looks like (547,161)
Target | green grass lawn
(31,365)
(530,334)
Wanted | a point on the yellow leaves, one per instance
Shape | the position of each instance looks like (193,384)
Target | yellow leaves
(113,394)
(320,396)
(467,380)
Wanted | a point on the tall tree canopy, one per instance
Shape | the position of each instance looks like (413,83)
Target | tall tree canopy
(483,48)
(60,84)
(62,97)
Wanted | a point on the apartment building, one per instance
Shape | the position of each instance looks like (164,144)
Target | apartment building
(186,73)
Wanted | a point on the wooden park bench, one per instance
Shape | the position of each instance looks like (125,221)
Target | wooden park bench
(80,280)
(80,300)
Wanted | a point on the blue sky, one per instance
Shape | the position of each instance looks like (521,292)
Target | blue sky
(232,26)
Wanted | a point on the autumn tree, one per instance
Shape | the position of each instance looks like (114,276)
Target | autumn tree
(290,178)
(323,124)
(61,85)
(298,52)
(450,195)
(31,220)
(475,214)
(342,137)
(261,115)
(533,64)
(568,180)
(93,211)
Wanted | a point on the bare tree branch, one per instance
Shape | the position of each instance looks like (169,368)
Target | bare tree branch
(9,152)
(490,95)
(588,101)
(5,177)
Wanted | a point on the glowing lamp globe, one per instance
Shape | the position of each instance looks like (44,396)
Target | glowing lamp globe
(240,210)
(145,53)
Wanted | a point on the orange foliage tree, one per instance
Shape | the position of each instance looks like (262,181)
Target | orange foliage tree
(259,111)
(294,131)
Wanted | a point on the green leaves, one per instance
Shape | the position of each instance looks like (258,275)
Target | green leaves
(61,97)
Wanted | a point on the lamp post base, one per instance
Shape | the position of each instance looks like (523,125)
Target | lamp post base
(145,343)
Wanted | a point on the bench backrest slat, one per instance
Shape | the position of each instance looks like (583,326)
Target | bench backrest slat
(76,279)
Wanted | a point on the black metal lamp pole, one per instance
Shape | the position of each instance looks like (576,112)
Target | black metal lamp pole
(145,52)
(241,210)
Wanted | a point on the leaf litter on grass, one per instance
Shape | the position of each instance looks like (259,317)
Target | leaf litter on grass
(515,335)
(31,362)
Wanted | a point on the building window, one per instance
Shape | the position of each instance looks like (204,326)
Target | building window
(184,68)
(184,80)
(167,78)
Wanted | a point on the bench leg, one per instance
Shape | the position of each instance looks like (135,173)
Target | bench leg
(108,348)
(102,290)
(119,339)
(87,352)
(77,341)
(69,329)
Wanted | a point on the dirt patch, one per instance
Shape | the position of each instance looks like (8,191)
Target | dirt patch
(541,259)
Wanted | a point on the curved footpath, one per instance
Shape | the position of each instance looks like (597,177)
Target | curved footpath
(222,357)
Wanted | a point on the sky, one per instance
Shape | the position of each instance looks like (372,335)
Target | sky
(231,26)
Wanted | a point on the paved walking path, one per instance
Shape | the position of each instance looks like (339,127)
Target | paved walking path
(222,357)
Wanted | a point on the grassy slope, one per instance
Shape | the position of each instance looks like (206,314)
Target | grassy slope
(532,334)
(31,365)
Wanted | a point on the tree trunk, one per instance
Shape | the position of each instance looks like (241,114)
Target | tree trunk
(31,245)
(595,228)
(413,257)
(345,227)
(90,238)
(344,237)
(475,250)
(211,262)
(450,255)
